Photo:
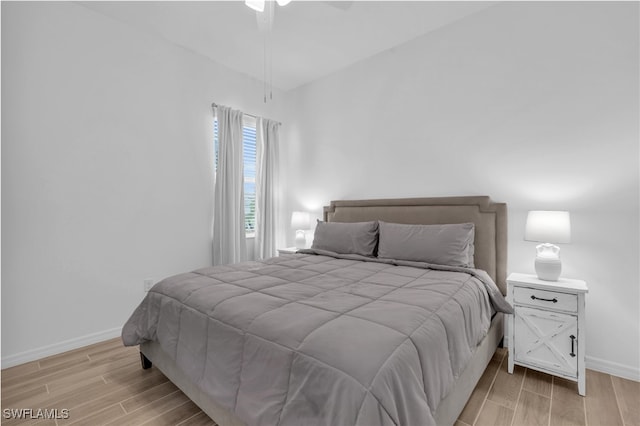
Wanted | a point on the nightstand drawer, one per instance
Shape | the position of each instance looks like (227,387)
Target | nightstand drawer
(545,299)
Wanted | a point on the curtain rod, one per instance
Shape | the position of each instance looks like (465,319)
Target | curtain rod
(215,105)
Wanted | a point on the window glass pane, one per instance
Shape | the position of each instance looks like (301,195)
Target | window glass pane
(249,154)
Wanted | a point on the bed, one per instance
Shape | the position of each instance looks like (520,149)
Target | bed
(322,337)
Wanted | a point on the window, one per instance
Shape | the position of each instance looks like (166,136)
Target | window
(249,154)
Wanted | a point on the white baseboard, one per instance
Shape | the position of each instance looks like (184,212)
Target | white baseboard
(612,368)
(57,348)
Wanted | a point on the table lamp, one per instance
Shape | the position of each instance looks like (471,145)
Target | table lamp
(300,221)
(549,228)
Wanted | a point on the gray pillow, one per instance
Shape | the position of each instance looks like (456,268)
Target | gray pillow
(346,238)
(450,244)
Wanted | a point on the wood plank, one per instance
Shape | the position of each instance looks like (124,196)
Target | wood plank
(537,382)
(148,396)
(65,357)
(74,364)
(105,353)
(63,385)
(628,396)
(201,419)
(533,409)
(600,401)
(19,398)
(79,352)
(19,370)
(567,406)
(101,417)
(176,415)
(41,422)
(506,388)
(128,372)
(116,341)
(152,410)
(493,414)
(47,422)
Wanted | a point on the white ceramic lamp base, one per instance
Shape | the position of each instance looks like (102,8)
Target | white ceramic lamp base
(301,239)
(548,264)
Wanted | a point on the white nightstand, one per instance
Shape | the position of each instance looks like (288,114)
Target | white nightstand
(288,250)
(547,332)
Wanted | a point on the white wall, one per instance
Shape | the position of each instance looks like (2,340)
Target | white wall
(106,170)
(534,104)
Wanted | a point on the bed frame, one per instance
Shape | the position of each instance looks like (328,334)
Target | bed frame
(490,221)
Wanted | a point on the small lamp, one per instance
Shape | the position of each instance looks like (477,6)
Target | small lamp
(548,227)
(300,221)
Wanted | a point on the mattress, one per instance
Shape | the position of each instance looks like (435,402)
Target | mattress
(320,338)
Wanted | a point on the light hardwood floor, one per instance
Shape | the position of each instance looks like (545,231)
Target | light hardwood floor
(103,384)
(528,397)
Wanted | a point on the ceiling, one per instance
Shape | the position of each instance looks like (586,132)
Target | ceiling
(309,39)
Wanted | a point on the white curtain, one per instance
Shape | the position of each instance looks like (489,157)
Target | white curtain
(229,239)
(266,185)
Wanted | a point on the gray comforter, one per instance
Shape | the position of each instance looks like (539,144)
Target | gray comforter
(325,339)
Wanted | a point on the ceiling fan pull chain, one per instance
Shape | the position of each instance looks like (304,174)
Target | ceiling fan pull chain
(264,67)
(270,66)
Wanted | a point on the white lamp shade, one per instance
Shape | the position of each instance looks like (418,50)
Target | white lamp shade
(300,220)
(283,2)
(548,227)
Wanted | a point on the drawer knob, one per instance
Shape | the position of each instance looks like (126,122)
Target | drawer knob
(554,300)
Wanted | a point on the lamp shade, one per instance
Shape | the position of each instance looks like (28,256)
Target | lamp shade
(300,220)
(548,227)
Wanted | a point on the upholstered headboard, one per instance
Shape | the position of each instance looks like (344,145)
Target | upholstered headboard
(490,221)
